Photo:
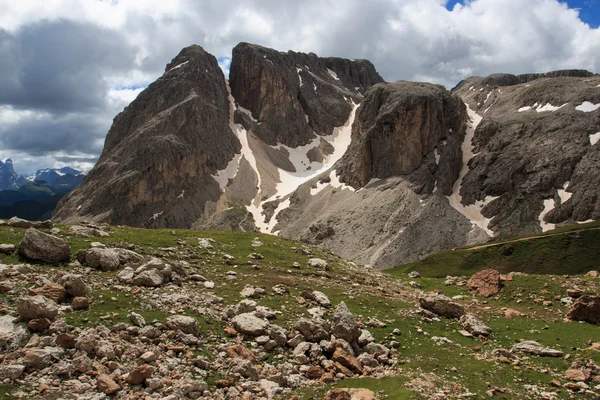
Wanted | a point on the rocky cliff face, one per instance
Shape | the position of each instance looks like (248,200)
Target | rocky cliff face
(407,129)
(156,166)
(296,95)
(535,150)
(320,149)
(9,179)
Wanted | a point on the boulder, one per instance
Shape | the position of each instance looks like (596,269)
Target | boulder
(7,248)
(81,303)
(53,291)
(11,332)
(244,368)
(248,324)
(102,259)
(17,222)
(140,374)
(344,324)
(441,305)
(252,291)
(314,330)
(40,358)
(586,308)
(535,348)
(106,384)
(474,326)
(39,324)
(184,323)
(11,372)
(40,246)
(239,351)
(87,231)
(485,283)
(34,307)
(150,278)
(350,394)
(318,263)
(74,285)
(347,360)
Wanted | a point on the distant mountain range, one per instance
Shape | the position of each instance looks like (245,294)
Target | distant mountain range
(34,196)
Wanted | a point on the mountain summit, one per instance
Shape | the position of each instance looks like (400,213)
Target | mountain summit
(323,150)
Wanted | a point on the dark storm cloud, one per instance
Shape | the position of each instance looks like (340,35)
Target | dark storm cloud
(46,133)
(59,66)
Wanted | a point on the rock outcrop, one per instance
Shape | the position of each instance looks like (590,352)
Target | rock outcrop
(156,166)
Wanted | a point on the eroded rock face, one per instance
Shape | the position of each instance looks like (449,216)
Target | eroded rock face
(532,144)
(397,126)
(295,94)
(161,150)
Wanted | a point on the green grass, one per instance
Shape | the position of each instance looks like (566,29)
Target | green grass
(389,300)
(7,390)
(571,253)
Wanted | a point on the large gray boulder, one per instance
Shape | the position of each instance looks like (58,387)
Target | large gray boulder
(248,324)
(441,305)
(473,325)
(34,307)
(314,330)
(40,246)
(344,325)
(74,285)
(535,348)
(12,333)
(184,323)
(102,259)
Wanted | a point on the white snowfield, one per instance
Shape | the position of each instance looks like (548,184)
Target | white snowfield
(288,182)
(587,106)
(178,66)
(472,211)
(594,138)
(563,194)
(548,206)
(541,108)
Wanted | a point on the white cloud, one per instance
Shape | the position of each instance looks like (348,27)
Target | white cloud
(405,39)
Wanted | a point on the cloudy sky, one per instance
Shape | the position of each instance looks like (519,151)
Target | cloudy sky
(69,66)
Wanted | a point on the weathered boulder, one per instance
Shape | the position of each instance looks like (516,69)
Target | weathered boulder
(314,330)
(53,291)
(344,325)
(87,231)
(7,248)
(533,347)
(248,324)
(486,282)
(347,360)
(81,303)
(11,372)
(40,246)
(474,326)
(586,308)
(12,333)
(350,394)
(33,307)
(74,285)
(102,259)
(148,278)
(441,305)
(184,323)
(139,374)
(106,384)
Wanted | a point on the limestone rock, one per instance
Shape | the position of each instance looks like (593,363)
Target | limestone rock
(106,384)
(87,231)
(53,291)
(248,324)
(474,326)
(533,347)
(81,303)
(350,394)
(7,248)
(486,282)
(314,330)
(11,372)
(184,323)
(344,325)
(34,307)
(441,305)
(586,308)
(11,332)
(40,246)
(140,374)
(102,259)
(74,285)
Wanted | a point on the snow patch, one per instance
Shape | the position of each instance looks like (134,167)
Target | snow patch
(299,77)
(436,153)
(594,138)
(178,66)
(315,87)
(156,215)
(587,106)
(473,211)
(181,194)
(563,194)
(282,206)
(333,74)
(541,108)
(548,206)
